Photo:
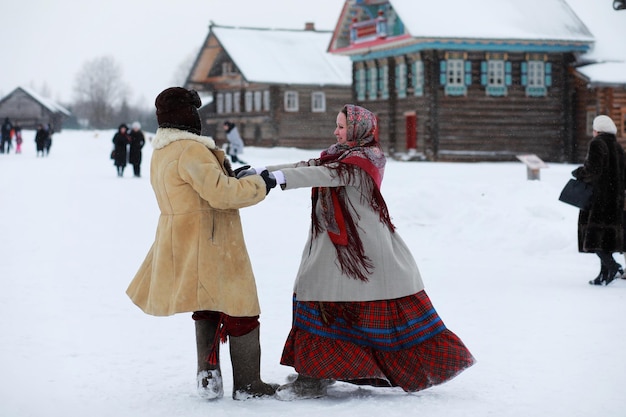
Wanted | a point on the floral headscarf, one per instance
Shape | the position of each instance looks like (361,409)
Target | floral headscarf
(361,153)
(362,125)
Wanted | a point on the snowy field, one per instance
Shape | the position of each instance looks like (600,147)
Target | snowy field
(497,254)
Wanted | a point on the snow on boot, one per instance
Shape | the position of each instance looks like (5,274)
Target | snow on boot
(303,388)
(210,385)
(245,355)
(209,377)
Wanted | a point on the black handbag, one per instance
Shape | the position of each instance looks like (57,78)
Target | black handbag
(577,193)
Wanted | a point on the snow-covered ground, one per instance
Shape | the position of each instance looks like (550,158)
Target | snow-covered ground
(497,253)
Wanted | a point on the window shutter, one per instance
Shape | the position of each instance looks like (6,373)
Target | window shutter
(398,77)
(548,73)
(483,73)
(468,72)
(442,69)
(524,73)
(508,78)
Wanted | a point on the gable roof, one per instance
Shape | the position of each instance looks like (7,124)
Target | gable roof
(49,104)
(284,56)
(439,24)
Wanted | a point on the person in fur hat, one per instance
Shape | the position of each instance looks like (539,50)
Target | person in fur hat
(360,311)
(600,227)
(120,146)
(198,262)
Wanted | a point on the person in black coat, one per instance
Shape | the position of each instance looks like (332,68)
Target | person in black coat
(40,139)
(6,135)
(600,227)
(120,142)
(137,140)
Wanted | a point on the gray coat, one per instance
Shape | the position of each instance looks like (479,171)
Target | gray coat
(320,278)
(235,142)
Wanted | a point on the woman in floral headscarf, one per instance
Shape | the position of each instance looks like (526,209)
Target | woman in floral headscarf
(360,313)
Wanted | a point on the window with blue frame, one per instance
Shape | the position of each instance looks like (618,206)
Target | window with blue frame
(418,78)
(383,80)
(372,88)
(495,76)
(361,84)
(536,77)
(456,75)
(401,79)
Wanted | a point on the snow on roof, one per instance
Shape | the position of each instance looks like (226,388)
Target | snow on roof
(605,73)
(609,30)
(46,102)
(608,54)
(550,20)
(284,56)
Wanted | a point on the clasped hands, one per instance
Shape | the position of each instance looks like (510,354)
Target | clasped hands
(268,177)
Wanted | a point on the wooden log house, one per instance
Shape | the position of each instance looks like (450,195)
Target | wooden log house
(280,87)
(29,109)
(458,80)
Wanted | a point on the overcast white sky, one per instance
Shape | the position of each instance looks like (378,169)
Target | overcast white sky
(44,44)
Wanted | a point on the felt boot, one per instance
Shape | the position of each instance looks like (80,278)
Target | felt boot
(303,388)
(209,375)
(245,355)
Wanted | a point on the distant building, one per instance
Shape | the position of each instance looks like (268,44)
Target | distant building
(466,80)
(30,109)
(280,87)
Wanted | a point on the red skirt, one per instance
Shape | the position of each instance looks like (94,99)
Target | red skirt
(394,343)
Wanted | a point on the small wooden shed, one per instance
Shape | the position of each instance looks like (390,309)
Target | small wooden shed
(29,109)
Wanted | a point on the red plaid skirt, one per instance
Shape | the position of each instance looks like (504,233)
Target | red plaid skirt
(395,343)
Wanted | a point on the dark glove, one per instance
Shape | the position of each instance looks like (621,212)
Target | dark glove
(240,169)
(270,181)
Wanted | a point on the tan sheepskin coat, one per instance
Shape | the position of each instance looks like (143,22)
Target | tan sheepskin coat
(198,260)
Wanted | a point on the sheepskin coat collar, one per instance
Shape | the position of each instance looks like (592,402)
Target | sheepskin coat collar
(164,136)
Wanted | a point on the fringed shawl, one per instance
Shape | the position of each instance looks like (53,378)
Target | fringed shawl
(361,154)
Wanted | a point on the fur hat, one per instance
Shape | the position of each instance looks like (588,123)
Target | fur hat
(604,124)
(176,107)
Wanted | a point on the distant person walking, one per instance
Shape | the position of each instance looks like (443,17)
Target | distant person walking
(137,140)
(17,129)
(7,126)
(235,143)
(40,139)
(120,143)
(49,132)
(600,227)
